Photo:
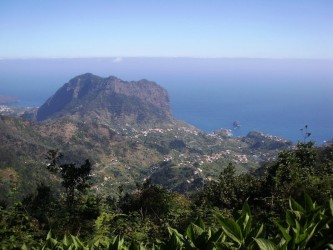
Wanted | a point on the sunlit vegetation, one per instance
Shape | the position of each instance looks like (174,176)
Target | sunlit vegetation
(285,204)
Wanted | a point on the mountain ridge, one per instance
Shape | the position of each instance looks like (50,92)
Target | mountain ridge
(109,100)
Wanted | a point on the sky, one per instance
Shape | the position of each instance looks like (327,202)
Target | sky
(173,28)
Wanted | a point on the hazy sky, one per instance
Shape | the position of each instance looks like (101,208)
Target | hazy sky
(173,28)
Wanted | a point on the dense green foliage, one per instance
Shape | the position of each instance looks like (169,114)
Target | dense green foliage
(123,155)
(269,208)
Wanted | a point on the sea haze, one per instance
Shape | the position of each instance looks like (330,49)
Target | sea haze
(275,96)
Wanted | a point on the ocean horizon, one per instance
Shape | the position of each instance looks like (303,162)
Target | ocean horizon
(277,97)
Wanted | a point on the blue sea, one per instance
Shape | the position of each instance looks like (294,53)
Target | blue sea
(275,96)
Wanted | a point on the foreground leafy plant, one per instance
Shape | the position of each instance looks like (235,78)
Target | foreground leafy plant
(74,243)
(306,226)
(240,233)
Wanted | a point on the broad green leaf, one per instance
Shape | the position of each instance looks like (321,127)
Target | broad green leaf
(100,241)
(136,246)
(199,222)
(193,232)
(117,244)
(50,242)
(311,232)
(246,209)
(284,232)
(261,228)
(300,236)
(216,236)
(247,225)
(173,231)
(290,219)
(309,205)
(49,235)
(24,247)
(66,241)
(176,242)
(298,214)
(189,233)
(295,206)
(198,237)
(232,229)
(265,244)
(245,220)
(77,243)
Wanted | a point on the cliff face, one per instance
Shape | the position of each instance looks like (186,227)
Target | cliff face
(109,100)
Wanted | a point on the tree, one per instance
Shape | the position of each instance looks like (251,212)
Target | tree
(304,169)
(74,179)
(230,190)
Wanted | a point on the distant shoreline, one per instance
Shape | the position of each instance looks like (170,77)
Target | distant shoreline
(8,100)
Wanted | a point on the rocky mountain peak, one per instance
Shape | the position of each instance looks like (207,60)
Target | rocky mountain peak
(109,100)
